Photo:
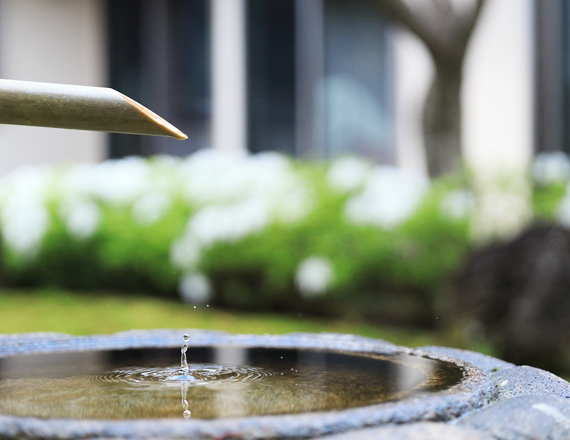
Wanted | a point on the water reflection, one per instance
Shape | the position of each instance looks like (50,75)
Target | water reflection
(410,378)
(183,390)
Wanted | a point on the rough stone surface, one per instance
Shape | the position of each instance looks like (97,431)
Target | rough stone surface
(523,418)
(486,363)
(496,401)
(415,431)
(476,390)
(529,381)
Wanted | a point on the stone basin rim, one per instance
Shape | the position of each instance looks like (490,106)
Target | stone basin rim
(475,390)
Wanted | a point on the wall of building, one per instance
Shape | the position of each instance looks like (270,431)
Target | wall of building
(413,76)
(51,41)
(498,93)
(64,41)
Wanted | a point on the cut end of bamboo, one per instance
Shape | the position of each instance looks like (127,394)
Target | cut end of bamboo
(79,108)
(167,127)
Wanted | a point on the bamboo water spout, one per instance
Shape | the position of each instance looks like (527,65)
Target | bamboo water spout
(80,108)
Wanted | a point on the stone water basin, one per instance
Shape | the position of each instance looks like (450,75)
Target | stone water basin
(128,385)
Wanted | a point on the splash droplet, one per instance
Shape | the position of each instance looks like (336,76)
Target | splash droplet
(183,361)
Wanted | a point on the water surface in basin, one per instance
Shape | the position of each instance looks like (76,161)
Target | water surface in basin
(221,381)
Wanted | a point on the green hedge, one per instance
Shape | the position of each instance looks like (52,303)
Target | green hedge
(255,232)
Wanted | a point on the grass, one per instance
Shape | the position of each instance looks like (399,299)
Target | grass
(84,314)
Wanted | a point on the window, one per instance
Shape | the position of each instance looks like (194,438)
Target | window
(159,55)
(319,75)
(357,83)
(271,75)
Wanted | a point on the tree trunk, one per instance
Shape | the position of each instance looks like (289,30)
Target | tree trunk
(446,33)
(442,121)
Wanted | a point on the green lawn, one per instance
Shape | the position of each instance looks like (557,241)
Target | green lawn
(84,314)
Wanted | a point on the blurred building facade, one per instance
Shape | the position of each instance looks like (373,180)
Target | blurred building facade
(311,78)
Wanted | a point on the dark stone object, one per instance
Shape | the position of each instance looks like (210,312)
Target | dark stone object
(476,390)
(517,294)
(523,418)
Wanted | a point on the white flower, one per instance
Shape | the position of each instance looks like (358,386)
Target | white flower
(500,215)
(348,173)
(228,222)
(389,197)
(195,288)
(185,252)
(457,204)
(25,221)
(151,207)
(227,179)
(81,217)
(295,206)
(314,276)
(212,176)
(115,182)
(237,195)
(551,167)
(26,181)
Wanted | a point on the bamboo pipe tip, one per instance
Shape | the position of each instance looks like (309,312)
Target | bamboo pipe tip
(170,129)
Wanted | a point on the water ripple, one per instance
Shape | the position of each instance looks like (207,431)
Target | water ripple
(198,374)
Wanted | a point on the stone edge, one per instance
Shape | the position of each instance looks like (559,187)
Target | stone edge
(476,390)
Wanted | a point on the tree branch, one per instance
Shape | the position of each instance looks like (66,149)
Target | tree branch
(403,14)
(446,36)
(472,21)
(444,7)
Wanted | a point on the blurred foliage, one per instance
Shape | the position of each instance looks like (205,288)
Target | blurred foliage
(258,233)
(546,200)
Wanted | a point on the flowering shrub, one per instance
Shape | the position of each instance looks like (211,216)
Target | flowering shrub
(247,231)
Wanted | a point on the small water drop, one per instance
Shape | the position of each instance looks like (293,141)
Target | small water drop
(281,357)
(187,414)
(194,306)
(186,337)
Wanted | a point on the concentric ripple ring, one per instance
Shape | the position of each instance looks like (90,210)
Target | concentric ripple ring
(198,374)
